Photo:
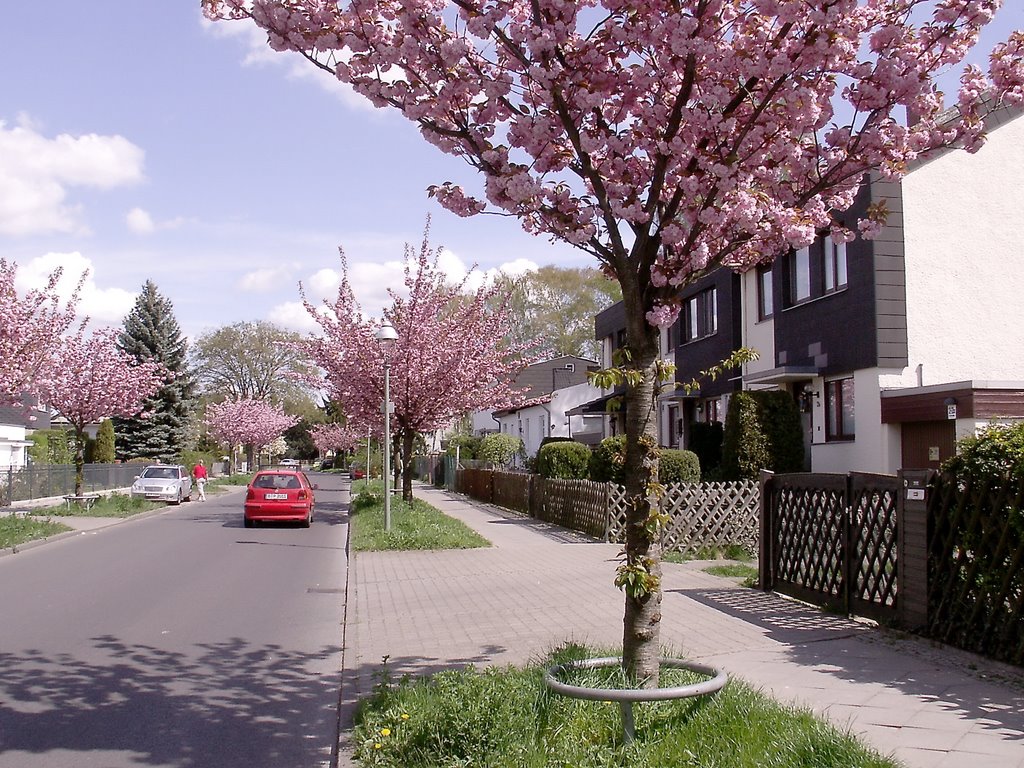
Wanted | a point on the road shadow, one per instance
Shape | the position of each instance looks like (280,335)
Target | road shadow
(231,704)
(983,690)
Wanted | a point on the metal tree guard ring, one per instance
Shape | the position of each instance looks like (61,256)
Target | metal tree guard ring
(627,696)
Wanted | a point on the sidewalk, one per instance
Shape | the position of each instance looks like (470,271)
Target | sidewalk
(539,586)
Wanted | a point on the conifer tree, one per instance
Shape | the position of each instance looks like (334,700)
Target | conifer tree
(150,333)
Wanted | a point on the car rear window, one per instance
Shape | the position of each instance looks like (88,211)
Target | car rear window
(276,481)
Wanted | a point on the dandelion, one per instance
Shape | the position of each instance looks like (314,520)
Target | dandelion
(405,716)
(377,745)
(385,731)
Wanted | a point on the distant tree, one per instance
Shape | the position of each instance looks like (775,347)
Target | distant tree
(451,356)
(97,380)
(251,361)
(150,333)
(555,307)
(30,331)
(250,423)
(104,452)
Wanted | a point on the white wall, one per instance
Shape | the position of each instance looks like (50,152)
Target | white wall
(964,234)
(876,447)
(12,446)
(757,334)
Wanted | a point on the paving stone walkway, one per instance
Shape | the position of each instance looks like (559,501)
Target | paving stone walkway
(539,586)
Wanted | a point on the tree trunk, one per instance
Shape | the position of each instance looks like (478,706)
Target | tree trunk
(642,619)
(250,457)
(407,468)
(79,459)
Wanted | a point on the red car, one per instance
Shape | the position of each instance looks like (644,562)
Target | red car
(279,495)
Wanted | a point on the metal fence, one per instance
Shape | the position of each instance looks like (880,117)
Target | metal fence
(40,481)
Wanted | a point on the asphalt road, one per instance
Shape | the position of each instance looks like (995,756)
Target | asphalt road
(181,639)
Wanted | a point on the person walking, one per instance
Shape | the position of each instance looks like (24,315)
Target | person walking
(199,473)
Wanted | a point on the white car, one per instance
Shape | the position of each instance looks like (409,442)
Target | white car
(163,482)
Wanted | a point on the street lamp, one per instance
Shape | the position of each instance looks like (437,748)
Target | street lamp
(386,336)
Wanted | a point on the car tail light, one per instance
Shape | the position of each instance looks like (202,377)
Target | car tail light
(250,494)
(302,496)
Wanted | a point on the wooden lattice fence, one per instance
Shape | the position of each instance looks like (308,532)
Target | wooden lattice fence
(581,505)
(701,516)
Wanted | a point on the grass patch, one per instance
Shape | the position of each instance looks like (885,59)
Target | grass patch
(735,571)
(728,552)
(114,505)
(235,479)
(413,526)
(507,718)
(17,530)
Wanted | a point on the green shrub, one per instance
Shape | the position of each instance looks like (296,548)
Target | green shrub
(706,442)
(780,420)
(565,460)
(499,448)
(607,462)
(103,452)
(678,466)
(468,446)
(762,431)
(744,444)
(997,450)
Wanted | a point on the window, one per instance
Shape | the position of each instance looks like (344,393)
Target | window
(839,410)
(816,271)
(700,315)
(800,276)
(765,301)
(835,265)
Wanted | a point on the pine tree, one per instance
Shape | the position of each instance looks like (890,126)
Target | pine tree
(104,452)
(151,333)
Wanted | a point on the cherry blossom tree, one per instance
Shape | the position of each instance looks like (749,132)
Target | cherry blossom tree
(95,380)
(251,423)
(664,137)
(452,354)
(335,437)
(31,327)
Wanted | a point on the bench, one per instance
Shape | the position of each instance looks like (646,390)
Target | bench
(85,500)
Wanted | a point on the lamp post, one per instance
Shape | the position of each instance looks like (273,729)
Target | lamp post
(386,336)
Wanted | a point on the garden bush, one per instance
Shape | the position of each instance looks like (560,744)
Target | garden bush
(997,450)
(468,446)
(499,449)
(706,442)
(563,459)
(607,462)
(678,467)
(762,431)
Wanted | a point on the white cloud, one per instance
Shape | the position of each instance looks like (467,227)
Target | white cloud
(140,221)
(293,316)
(103,306)
(39,171)
(266,280)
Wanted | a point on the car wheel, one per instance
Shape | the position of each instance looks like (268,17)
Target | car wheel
(178,500)
(248,523)
(309,519)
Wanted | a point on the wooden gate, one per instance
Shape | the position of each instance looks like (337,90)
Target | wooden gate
(831,540)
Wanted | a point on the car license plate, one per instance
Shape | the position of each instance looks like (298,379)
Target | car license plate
(276,496)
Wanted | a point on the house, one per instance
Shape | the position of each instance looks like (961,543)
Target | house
(16,424)
(550,389)
(892,347)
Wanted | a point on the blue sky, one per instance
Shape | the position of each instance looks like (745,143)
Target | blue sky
(142,142)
